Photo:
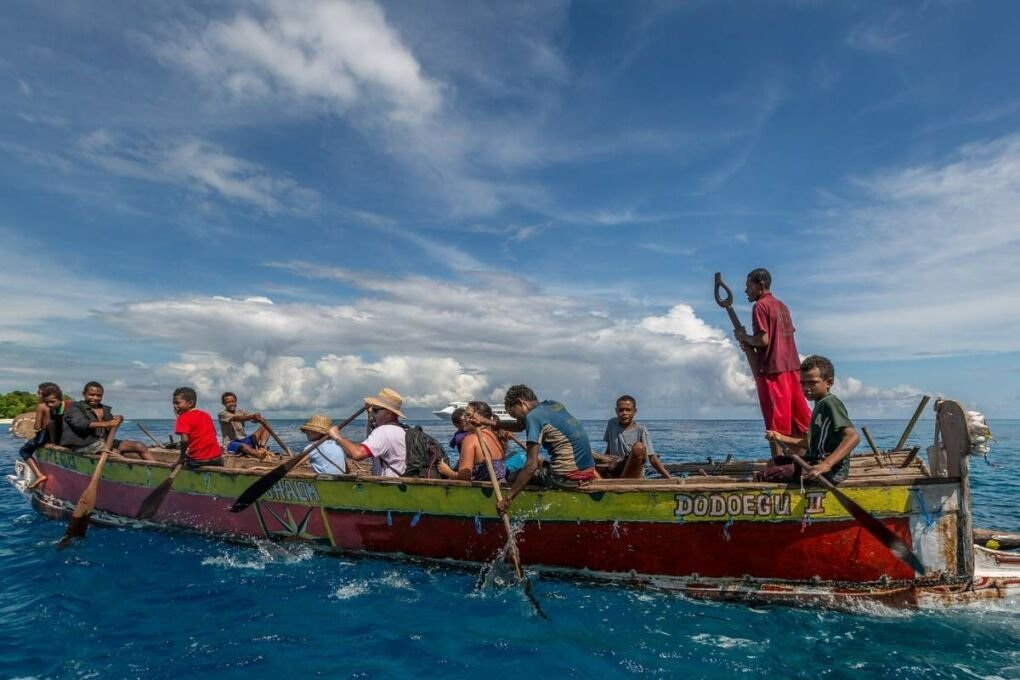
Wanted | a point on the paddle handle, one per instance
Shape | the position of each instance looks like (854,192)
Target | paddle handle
(498,493)
(913,421)
(149,434)
(272,433)
(726,302)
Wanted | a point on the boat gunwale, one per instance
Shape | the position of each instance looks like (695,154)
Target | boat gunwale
(904,477)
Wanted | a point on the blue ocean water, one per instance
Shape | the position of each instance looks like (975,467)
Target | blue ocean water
(137,604)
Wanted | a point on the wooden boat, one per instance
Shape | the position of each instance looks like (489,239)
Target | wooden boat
(710,532)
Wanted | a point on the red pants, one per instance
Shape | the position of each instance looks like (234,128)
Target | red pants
(783,405)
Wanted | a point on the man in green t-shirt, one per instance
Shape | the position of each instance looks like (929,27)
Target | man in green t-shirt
(832,436)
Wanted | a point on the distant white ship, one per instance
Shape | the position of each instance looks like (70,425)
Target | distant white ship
(498,410)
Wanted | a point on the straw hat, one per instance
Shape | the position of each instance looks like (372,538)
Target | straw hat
(387,399)
(317,424)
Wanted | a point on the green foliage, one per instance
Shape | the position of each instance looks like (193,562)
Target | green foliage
(17,402)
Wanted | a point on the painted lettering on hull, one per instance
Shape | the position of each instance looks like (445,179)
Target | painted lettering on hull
(692,506)
(293,491)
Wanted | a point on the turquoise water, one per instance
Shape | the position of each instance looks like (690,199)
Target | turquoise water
(135,604)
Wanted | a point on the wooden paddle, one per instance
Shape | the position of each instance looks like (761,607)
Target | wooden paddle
(155,499)
(269,429)
(150,435)
(269,480)
(727,304)
(880,531)
(79,522)
(511,540)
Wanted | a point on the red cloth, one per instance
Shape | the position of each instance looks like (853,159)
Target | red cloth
(782,403)
(581,475)
(772,316)
(202,441)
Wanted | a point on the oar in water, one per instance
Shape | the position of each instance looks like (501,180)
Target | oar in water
(79,522)
(155,499)
(269,480)
(880,531)
(726,302)
(269,429)
(511,540)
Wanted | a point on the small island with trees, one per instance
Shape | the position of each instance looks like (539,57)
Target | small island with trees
(15,403)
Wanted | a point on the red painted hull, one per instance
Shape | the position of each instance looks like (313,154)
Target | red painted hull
(832,551)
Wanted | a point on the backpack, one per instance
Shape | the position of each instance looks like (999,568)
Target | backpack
(424,453)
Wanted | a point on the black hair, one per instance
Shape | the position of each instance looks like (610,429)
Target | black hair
(50,389)
(626,397)
(223,397)
(456,416)
(761,277)
(824,366)
(516,393)
(187,393)
(91,383)
(482,408)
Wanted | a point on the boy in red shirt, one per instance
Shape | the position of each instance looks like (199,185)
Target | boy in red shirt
(783,405)
(199,444)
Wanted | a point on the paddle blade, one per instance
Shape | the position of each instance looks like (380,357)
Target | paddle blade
(265,483)
(155,499)
(880,531)
(76,528)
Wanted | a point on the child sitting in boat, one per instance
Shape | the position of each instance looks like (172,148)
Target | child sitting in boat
(457,418)
(471,465)
(199,444)
(628,445)
(832,436)
(328,458)
(49,421)
(86,423)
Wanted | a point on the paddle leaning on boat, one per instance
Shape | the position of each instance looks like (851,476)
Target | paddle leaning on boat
(895,529)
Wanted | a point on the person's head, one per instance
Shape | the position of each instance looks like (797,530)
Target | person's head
(519,399)
(43,387)
(92,393)
(184,399)
(456,418)
(758,283)
(626,409)
(816,377)
(229,401)
(316,427)
(385,406)
(479,407)
(51,395)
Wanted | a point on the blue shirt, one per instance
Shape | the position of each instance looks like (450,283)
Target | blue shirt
(561,434)
(328,459)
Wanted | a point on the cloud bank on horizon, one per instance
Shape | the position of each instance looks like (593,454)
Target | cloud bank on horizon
(304,201)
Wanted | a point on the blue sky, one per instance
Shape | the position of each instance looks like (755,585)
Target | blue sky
(305,201)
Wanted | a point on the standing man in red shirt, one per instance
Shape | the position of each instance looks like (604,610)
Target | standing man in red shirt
(783,405)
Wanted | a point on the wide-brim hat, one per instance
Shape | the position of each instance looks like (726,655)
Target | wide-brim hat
(317,424)
(387,399)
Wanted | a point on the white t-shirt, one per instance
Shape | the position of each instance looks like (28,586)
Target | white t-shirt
(387,443)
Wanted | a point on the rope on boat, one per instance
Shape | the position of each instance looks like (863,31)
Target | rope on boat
(805,521)
(726,528)
(416,519)
(616,528)
(930,519)
(389,518)
(478,525)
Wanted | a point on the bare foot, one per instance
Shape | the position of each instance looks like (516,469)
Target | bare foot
(39,481)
